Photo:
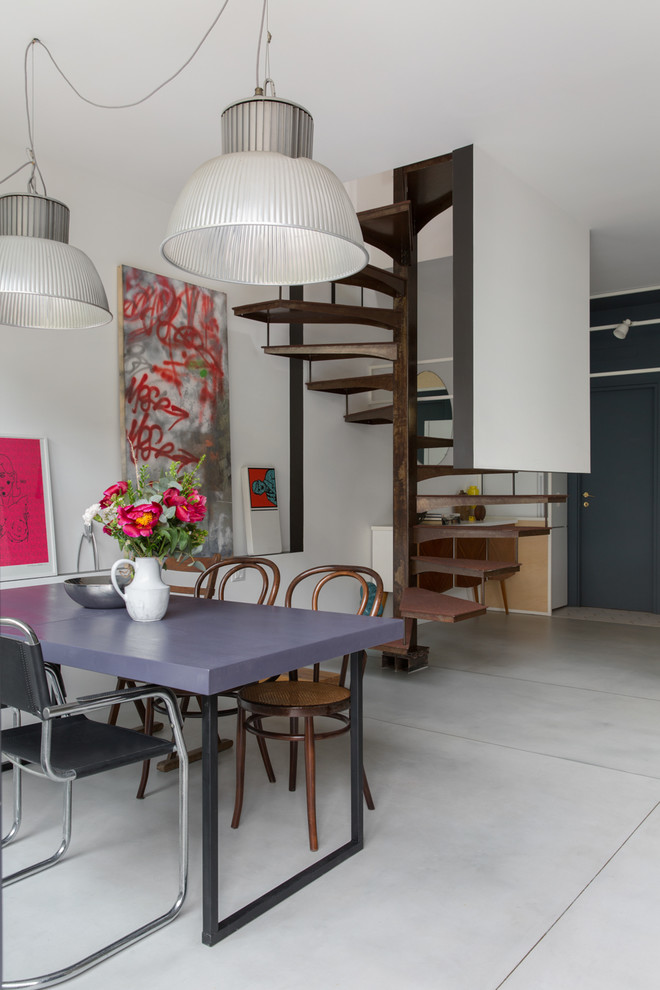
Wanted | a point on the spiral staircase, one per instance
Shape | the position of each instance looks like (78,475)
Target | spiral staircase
(426,562)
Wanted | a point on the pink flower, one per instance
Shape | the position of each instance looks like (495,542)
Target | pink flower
(120,488)
(191,509)
(139,520)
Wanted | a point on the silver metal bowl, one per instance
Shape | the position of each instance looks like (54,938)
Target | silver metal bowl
(95,591)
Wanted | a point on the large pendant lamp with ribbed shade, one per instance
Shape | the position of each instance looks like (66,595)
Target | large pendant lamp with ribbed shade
(45,283)
(264,212)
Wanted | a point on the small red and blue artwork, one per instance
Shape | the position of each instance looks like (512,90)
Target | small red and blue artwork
(263,489)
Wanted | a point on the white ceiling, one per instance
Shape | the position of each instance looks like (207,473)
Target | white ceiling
(565,93)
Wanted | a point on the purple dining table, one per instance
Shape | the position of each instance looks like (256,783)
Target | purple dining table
(207,647)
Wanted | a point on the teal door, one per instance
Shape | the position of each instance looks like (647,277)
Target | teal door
(616,511)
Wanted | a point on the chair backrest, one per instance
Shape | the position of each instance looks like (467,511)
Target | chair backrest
(319,577)
(328,572)
(24,682)
(212,578)
(191,567)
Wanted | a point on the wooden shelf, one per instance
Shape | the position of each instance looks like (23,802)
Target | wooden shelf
(420,603)
(426,471)
(334,352)
(301,311)
(464,566)
(430,502)
(378,279)
(436,531)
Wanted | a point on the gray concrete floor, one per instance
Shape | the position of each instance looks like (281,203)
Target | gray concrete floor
(515,842)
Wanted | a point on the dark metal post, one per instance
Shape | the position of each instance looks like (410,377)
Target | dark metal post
(357,801)
(210,819)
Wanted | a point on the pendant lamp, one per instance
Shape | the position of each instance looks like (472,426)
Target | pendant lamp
(45,283)
(263,212)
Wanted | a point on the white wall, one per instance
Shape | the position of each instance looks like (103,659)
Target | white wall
(531,320)
(64,386)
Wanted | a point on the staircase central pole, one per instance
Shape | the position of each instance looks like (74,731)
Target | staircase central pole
(405,421)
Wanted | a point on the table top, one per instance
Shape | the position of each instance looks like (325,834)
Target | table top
(200,646)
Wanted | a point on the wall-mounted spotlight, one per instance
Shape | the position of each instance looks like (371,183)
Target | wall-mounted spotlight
(621,330)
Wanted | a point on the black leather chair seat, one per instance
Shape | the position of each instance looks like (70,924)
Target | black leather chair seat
(83,745)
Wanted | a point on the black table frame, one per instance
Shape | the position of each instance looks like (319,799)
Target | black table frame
(214,931)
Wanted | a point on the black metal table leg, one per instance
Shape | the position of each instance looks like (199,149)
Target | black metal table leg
(215,931)
(209,819)
(357,761)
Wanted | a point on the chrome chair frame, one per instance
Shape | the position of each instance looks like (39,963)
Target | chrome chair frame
(48,716)
(55,683)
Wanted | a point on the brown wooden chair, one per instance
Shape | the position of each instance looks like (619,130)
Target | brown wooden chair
(171,564)
(295,698)
(209,584)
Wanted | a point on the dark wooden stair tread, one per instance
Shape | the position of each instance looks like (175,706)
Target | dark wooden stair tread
(377,416)
(420,603)
(433,442)
(389,228)
(430,502)
(302,311)
(351,386)
(429,188)
(464,566)
(334,352)
(435,530)
(378,279)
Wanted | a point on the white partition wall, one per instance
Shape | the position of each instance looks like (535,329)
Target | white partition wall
(521,342)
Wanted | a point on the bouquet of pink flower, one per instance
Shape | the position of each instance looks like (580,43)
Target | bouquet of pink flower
(153,518)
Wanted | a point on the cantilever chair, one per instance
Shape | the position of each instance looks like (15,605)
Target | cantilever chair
(63,745)
(297,698)
(213,583)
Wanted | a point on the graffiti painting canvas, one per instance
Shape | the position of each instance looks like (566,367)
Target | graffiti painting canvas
(175,387)
(27,544)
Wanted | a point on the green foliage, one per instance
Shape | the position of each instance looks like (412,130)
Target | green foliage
(141,522)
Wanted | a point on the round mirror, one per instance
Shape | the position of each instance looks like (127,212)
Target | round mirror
(434,417)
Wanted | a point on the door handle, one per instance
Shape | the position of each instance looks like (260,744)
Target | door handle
(586,495)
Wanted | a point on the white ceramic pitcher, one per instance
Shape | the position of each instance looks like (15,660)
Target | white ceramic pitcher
(147,595)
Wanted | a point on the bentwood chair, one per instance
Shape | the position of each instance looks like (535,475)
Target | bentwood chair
(63,745)
(299,697)
(171,565)
(145,710)
(212,583)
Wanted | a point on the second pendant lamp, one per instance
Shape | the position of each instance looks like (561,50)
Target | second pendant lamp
(263,212)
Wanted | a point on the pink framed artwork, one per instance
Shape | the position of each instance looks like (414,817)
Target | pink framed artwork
(27,541)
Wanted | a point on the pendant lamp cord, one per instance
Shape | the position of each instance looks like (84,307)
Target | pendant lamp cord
(269,38)
(32,158)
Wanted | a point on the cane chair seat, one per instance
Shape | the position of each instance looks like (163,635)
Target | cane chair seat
(291,695)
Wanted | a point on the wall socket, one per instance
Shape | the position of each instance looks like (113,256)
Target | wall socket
(238,575)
